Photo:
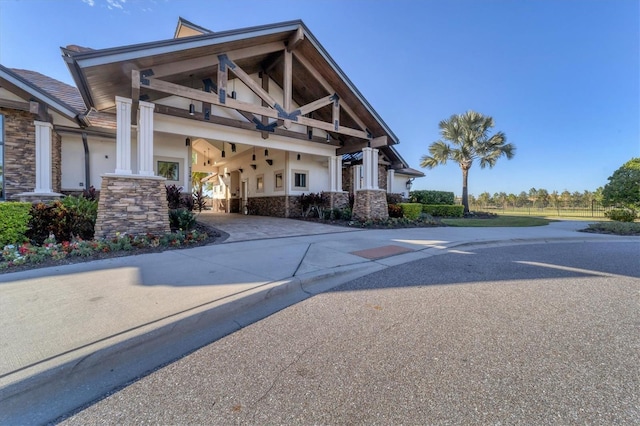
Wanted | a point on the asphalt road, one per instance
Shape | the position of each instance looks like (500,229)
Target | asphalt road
(527,334)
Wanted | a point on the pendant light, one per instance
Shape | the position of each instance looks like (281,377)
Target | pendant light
(253,157)
(223,153)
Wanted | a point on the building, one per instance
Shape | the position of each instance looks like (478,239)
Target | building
(263,111)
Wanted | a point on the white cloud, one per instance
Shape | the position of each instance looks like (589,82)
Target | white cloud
(89,2)
(117,4)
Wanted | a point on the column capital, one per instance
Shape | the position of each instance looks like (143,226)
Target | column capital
(43,124)
(120,99)
(144,104)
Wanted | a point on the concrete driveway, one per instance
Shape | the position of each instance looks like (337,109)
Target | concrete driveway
(248,227)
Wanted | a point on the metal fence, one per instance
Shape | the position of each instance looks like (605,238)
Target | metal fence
(596,210)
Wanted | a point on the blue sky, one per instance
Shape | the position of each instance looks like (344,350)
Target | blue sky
(561,78)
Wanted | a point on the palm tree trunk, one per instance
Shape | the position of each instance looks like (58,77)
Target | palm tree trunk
(465,193)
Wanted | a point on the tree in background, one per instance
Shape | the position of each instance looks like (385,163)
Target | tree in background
(469,136)
(623,188)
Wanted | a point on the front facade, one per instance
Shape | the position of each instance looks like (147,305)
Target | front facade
(264,113)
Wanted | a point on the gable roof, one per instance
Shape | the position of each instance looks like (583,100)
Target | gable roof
(103,74)
(187,28)
(61,97)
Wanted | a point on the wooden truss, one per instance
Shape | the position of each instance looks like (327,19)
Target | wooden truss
(257,115)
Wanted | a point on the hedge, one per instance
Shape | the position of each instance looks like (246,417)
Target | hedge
(411,210)
(14,220)
(432,197)
(443,211)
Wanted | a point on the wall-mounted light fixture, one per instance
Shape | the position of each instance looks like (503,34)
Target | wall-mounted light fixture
(187,142)
(409,184)
(328,138)
(192,109)
(270,162)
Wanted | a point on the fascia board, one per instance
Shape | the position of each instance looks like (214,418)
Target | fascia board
(136,51)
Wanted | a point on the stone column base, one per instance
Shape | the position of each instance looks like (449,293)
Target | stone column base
(338,200)
(37,197)
(370,204)
(132,204)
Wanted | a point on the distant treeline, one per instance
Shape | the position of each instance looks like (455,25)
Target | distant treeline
(538,198)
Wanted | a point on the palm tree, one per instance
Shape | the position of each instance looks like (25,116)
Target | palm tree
(469,135)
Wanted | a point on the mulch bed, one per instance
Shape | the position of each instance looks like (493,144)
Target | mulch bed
(215,236)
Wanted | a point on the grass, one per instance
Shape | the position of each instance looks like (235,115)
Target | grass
(499,221)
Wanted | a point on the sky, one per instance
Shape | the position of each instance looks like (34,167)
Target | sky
(560,78)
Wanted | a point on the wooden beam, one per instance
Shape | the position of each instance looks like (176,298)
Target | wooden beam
(231,122)
(374,143)
(295,40)
(287,85)
(185,92)
(209,61)
(329,89)
(312,106)
(247,80)
(265,86)
(20,106)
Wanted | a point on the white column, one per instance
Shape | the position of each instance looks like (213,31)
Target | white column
(145,139)
(390,178)
(338,160)
(370,164)
(43,157)
(335,173)
(123,136)
(357,177)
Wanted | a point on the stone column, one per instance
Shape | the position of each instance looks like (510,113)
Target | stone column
(123,136)
(145,139)
(43,157)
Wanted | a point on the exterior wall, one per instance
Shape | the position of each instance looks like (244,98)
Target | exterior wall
(399,185)
(102,159)
(134,205)
(19,152)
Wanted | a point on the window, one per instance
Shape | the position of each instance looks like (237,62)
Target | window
(260,183)
(168,170)
(300,180)
(1,157)
(278,180)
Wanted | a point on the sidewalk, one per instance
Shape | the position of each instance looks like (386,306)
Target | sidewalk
(71,333)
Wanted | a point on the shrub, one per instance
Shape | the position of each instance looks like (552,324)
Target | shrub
(14,222)
(73,216)
(312,203)
(432,197)
(199,200)
(411,211)
(395,210)
(173,196)
(443,210)
(89,193)
(621,215)
(617,228)
(181,219)
(394,198)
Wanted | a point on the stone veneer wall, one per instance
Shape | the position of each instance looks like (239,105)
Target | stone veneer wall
(370,204)
(338,200)
(56,162)
(19,152)
(269,206)
(132,204)
(382,176)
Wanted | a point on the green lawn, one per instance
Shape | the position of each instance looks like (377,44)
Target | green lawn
(512,221)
